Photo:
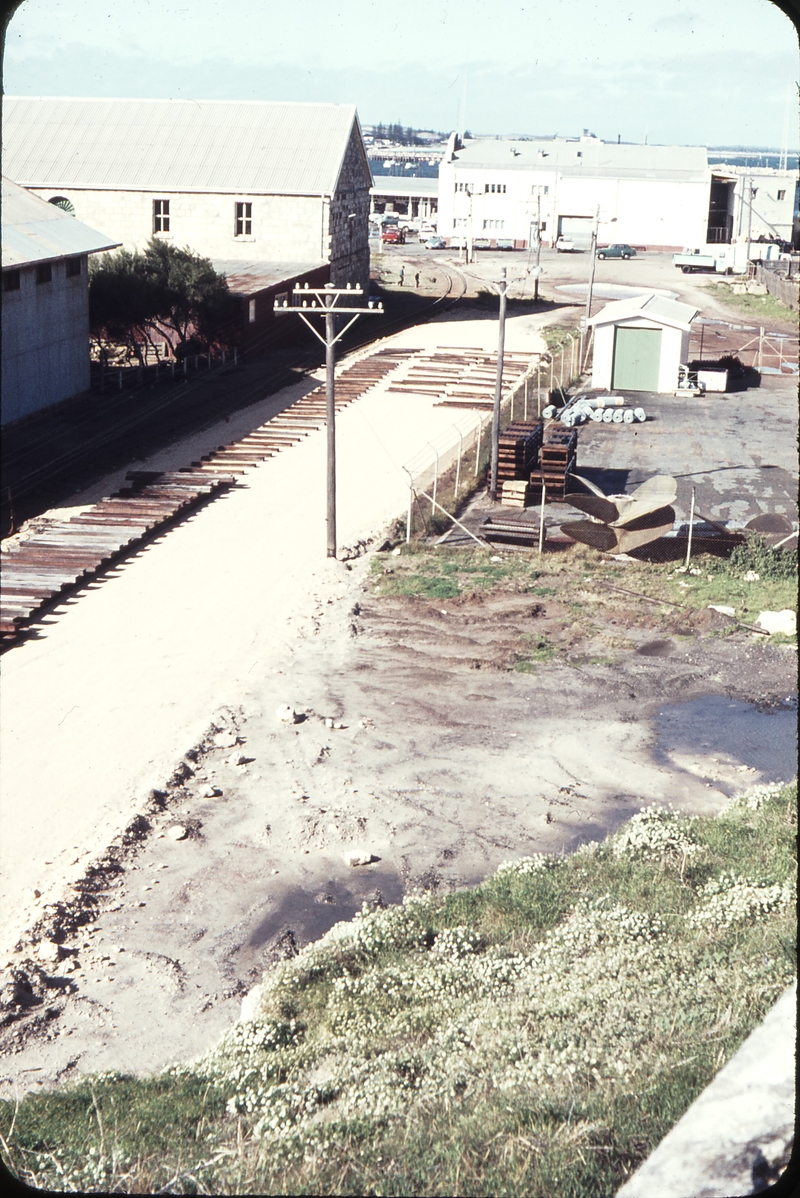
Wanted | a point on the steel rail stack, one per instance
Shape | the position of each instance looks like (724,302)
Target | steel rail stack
(66,554)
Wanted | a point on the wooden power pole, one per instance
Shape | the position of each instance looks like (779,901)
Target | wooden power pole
(307,301)
(498,386)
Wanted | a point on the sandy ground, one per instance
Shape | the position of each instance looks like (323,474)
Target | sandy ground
(148,704)
(125,677)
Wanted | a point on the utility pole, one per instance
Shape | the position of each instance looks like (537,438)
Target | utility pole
(591,274)
(750,194)
(538,244)
(498,386)
(323,301)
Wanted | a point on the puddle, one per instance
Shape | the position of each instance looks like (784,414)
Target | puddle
(710,737)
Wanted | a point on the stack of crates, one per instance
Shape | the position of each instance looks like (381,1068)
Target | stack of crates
(557,460)
(518,450)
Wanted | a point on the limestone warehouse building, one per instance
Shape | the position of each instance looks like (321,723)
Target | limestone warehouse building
(45,303)
(659,197)
(236,181)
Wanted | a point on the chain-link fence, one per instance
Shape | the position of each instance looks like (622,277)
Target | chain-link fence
(455,464)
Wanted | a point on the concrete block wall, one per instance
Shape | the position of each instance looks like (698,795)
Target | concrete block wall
(284,228)
(349,239)
(45,341)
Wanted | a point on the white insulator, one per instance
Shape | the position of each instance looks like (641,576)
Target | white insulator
(619,415)
(549,412)
(640,414)
(628,416)
(608,415)
(597,415)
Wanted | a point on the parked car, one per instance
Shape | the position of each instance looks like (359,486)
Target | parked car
(435,243)
(505,243)
(392,235)
(426,231)
(617,251)
(565,245)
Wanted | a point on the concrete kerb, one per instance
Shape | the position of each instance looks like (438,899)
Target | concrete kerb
(736,1137)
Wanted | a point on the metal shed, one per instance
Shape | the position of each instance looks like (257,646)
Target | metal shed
(640,342)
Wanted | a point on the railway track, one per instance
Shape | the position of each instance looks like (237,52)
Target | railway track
(59,559)
(45,471)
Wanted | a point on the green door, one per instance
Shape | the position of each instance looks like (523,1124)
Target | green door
(637,358)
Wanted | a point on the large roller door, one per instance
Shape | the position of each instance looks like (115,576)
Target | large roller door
(579,228)
(637,359)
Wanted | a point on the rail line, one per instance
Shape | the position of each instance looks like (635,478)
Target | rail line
(100,451)
(39,572)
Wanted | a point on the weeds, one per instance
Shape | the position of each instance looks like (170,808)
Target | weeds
(538,1034)
(763,306)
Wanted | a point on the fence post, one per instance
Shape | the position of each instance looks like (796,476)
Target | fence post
(458,464)
(410,504)
(760,347)
(478,445)
(541,518)
(435,477)
(571,357)
(691,526)
(538,388)
(525,409)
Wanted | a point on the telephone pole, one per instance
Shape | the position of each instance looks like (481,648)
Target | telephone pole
(498,386)
(323,302)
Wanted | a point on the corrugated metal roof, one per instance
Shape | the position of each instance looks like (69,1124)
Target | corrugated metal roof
(597,158)
(386,185)
(246,277)
(35,231)
(176,145)
(655,307)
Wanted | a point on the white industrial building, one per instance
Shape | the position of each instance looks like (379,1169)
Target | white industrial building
(640,342)
(230,180)
(45,302)
(652,197)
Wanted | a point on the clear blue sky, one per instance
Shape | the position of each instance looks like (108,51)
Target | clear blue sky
(681,71)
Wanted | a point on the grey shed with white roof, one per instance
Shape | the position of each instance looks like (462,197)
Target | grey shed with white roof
(45,302)
(639,343)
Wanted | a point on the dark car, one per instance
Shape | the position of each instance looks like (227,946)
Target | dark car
(617,251)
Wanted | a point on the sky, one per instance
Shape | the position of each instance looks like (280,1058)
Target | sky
(692,72)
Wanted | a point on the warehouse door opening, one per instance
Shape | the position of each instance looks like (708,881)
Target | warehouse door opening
(637,359)
(578,228)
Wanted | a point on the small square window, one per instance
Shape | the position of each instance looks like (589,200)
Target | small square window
(781,195)
(161,216)
(244,220)
(44,272)
(73,267)
(10,280)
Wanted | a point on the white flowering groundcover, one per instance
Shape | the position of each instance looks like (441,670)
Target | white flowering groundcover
(538,1034)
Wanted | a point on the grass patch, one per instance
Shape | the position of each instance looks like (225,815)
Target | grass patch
(537,1034)
(762,306)
(446,573)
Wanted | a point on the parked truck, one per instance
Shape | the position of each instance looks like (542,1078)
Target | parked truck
(725,259)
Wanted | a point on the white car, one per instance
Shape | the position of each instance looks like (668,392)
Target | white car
(426,231)
(565,245)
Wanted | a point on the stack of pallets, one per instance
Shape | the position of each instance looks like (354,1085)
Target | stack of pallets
(557,460)
(518,450)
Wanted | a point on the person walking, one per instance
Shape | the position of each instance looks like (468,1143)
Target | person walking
(402,275)
(416,279)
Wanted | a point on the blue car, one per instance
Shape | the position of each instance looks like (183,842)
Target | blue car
(435,243)
(617,251)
